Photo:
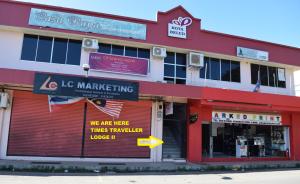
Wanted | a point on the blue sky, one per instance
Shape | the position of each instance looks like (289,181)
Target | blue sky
(275,21)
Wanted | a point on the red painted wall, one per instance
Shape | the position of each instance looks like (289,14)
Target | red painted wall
(194,136)
(17,14)
(26,78)
(295,136)
(271,102)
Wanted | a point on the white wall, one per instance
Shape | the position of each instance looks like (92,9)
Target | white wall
(11,44)
(297,82)
(1,124)
(245,84)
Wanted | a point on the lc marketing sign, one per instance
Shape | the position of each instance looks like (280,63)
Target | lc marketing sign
(84,23)
(245,118)
(60,85)
(177,28)
(118,64)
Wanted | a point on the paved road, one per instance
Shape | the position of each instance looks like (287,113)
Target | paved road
(272,177)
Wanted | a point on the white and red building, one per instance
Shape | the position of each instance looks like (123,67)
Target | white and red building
(194,88)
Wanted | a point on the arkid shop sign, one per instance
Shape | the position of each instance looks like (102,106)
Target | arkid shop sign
(61,85)
(246,118)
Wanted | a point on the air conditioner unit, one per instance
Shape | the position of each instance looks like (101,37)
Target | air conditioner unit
(3,100)
(90,44)
(196,59)
(159,52)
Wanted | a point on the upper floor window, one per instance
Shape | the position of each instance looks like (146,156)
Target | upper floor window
(51,50)
(268,75)
(221,69)
(175,68)
(124,50)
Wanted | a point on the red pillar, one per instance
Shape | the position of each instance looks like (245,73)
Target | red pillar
(194,135)
(295,137)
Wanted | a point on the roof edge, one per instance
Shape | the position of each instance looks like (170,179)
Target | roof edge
(250,39)
(179,7)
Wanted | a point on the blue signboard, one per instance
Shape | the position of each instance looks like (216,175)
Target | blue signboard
(76,22)
(61,85)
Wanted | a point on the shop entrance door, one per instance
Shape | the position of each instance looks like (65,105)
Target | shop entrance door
(174,133)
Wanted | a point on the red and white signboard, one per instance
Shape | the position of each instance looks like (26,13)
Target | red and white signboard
(118,64)
(177,28)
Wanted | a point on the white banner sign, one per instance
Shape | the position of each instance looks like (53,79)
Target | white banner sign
(281,74)
(245,118)
(252,53)
(169,108)
(84,23)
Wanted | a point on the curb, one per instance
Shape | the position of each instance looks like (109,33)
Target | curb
(110,168)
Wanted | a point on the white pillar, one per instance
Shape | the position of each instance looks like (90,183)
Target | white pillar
(157,130)
(4,126)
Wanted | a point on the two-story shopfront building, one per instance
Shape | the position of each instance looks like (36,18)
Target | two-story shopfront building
(209,96)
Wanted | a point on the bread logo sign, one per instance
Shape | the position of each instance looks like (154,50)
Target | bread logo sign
(49,86)
(186,21)
(177,27)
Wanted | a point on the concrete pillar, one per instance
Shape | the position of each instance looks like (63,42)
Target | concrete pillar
(5,115)
(157,130)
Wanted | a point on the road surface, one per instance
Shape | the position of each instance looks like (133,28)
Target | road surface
(269,177)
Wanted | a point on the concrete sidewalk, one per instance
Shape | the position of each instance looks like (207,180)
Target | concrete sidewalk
(42,166)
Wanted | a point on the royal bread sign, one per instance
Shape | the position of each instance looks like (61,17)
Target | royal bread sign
(177,28)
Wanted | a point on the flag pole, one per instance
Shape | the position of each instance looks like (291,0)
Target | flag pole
(205,75)
(258,77)
(274,82)
(49,103)
(257,85)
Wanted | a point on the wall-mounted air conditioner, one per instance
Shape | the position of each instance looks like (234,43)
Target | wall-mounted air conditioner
(196,59)
(90,44)
(159,52)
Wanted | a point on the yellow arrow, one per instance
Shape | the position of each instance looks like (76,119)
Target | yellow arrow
(152,142)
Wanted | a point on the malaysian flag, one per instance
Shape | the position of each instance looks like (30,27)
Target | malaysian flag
(57,102)
(257,85)
(110,107)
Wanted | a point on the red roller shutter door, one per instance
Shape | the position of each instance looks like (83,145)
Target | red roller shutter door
(34,131)
(125,145)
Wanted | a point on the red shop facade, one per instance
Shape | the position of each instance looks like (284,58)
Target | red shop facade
(205,113)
